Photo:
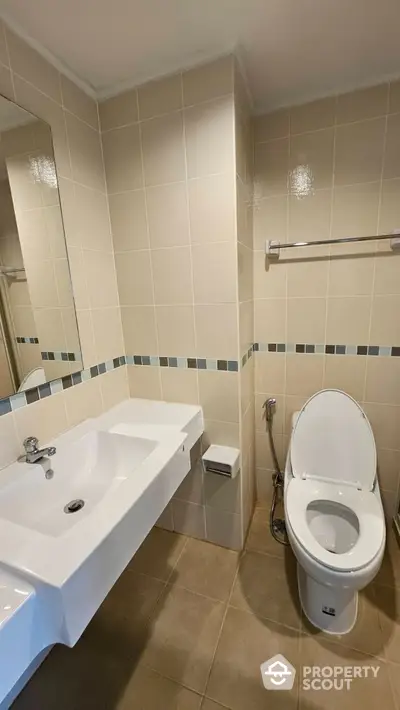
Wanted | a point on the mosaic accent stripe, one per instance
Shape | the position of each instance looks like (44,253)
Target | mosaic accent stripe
(33,341)
(61,355)
(327,349)
(191,363)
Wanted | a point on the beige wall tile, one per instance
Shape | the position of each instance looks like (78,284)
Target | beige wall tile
(389,218)
(263,450)
(271,168)
(45,419)
(86,155)
(222,433)
(348,320)
(362,104)
(92,219)
(270,373)
(346,373)
(224,528)
(212,209)
(383,380)
(259,412)
(79,103)
(122,159)
(167,211)
(315,151)
(304,374)
(134,278)
(175,328)
(217,331)
(83,402)
(355,211)
(359,149)
(11,444)
(308,277)
(385,323)
(209,131)
(129,221)
(139,328)
(26,62)
(163,149)
(269,279)
(214,272)
(222,493)
(306,318)
(313,116)
(172,275)
(219,395)
(86,335)
(179,385)
(160,96)
(119,110)
(270,220)
(309,217)
(208,81)
(189,518)
(388,469)
(385,422)
(387,279)
(107,329)
(394,97)
(246,325)
(101,279)
(6,85)
(351,275)
(392,150)
(114,387)
(270,320)
(271,126)
(144,382)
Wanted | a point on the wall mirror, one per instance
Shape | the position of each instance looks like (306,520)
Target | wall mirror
(39,338)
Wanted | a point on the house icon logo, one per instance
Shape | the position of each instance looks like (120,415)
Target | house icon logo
(278,673)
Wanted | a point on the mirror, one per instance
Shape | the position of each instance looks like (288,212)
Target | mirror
(39,338)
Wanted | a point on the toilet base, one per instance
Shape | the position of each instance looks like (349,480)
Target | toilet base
(331,609)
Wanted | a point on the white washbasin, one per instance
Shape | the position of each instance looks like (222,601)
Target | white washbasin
(84,470)
(56,568)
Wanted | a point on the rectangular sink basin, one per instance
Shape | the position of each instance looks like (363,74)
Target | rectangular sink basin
(84,471)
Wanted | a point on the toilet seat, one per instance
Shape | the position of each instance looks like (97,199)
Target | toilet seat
(332,440)
(366,506)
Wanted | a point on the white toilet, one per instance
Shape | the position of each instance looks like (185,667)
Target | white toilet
(334,514)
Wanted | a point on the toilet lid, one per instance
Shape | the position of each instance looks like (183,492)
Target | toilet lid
(333,441)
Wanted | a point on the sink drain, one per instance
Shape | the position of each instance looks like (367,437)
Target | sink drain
(74,505)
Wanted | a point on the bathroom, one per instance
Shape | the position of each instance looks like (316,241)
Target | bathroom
(142,195)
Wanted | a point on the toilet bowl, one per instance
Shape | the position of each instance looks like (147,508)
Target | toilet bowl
(334,515)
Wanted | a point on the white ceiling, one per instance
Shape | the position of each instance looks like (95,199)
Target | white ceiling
(291,50)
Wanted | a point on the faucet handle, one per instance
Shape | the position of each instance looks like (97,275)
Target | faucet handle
(30,444)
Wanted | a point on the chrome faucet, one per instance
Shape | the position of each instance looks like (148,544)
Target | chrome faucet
(32,453)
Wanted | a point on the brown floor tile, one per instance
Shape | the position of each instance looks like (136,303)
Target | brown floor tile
(366,693)
(245,643)
(389,573)
(267,586)
(206,569)
(147,690)
(260,538)
(210,705)
(388,602)
(366,636)
(395,682)
(158,554)
(183,637)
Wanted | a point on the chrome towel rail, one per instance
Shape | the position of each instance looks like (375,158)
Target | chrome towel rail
(273,248)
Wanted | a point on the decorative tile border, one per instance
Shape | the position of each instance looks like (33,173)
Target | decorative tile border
(33,341)
(61,355)
(191,363)
(248,354)
(322,349)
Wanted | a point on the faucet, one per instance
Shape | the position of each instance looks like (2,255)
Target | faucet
(32,453)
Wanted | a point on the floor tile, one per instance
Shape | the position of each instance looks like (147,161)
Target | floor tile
(259,537)
(388,602)
(183,637)
(366,636)
(245,643)
(267,586)
(366,693)
(147,690)
(389,573)
(158,554)
(206,569)
(211,705)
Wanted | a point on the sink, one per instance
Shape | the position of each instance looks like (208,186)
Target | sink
(84,471)
(59,558)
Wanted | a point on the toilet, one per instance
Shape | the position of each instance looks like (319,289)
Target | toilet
(334,515)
